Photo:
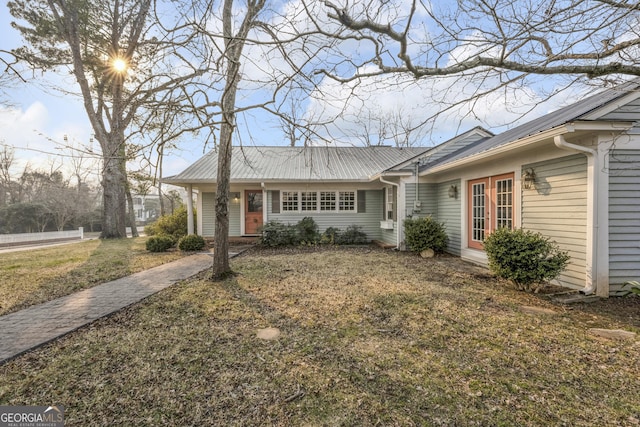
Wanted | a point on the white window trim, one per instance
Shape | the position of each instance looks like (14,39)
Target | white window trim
(318,202)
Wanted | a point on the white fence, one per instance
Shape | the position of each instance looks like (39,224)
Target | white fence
(26,238)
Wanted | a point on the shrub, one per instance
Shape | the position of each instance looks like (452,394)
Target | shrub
(191,242)
(634,288)
(275,233)
(425,233)
(160,243)
(351,236)
(330,235)
(526,258)
(307,230)
(174,225)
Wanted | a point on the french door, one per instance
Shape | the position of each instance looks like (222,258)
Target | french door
(490,206)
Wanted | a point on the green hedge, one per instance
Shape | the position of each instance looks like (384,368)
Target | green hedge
(160,243)
(526,258)
(191,243)
(425,233)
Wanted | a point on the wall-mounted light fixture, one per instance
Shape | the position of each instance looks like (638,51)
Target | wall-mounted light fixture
(529,179)
(453,192)
(236,196)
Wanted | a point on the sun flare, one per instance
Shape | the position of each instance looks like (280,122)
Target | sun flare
(119,65)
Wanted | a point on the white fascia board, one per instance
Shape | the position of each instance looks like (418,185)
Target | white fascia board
(611,106)
(533,139)
(389,174)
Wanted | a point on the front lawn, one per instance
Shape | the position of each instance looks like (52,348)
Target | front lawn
(40,275)
(368,337)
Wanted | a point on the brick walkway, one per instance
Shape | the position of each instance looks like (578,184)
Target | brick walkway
(34,326)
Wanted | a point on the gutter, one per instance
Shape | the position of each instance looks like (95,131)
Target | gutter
(529,140)
(592,206)
(397,185)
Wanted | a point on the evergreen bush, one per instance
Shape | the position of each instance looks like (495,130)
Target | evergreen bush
(330,235)
(174,225)
(275,233)
(159,243)
(353,235)
(307,230)
(191,243)
(425,233)
(526,258)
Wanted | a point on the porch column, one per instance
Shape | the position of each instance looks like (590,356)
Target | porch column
(189,209)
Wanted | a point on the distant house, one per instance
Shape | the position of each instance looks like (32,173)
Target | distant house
(146,207)
(572,175)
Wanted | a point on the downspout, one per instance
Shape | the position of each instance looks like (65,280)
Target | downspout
(417,197)
(382,180)
(592,229)
(264,204)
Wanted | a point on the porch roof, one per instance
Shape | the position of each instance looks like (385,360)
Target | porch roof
(288,164)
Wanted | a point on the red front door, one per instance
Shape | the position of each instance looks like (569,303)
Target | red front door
(252,211)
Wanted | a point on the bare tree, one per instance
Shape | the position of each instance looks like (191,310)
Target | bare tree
(278,51)
(491,43)
(6,182)
(122,60)
(9,74)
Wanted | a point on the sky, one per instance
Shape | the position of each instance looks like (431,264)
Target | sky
(41,124)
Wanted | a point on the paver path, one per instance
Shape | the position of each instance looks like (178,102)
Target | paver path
(37,325)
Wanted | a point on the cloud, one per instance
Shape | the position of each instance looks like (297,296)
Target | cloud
(445,106)
(39,141)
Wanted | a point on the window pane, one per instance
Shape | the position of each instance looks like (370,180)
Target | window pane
(254,201)
(309,201)
(327,200)
(477,212)
(347,201)
(289,200)
(504,206)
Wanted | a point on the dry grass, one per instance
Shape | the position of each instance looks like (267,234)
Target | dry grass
(368,338)
(37,276)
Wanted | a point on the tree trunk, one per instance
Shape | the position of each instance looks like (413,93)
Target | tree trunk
(221,267)
(233,53)
(132,213)
(160,159)
(114,200)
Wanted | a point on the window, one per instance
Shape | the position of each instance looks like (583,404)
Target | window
(504,203)
(327,200)
(289,201)
(321,201)
(347,201)
(490,207)
(388,202)
(309,200)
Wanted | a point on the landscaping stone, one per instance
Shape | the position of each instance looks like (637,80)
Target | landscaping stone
(268,334)
(427,253)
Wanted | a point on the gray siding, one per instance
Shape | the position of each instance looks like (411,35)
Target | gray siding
(369,220)
(557,208)
(389,236)
(208,214)
(234,217)
(427,197)
(624,217)
(449,213)
(627,112)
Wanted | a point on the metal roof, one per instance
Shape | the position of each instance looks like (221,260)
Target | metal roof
(574,112)
(446,148)
(261,163)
